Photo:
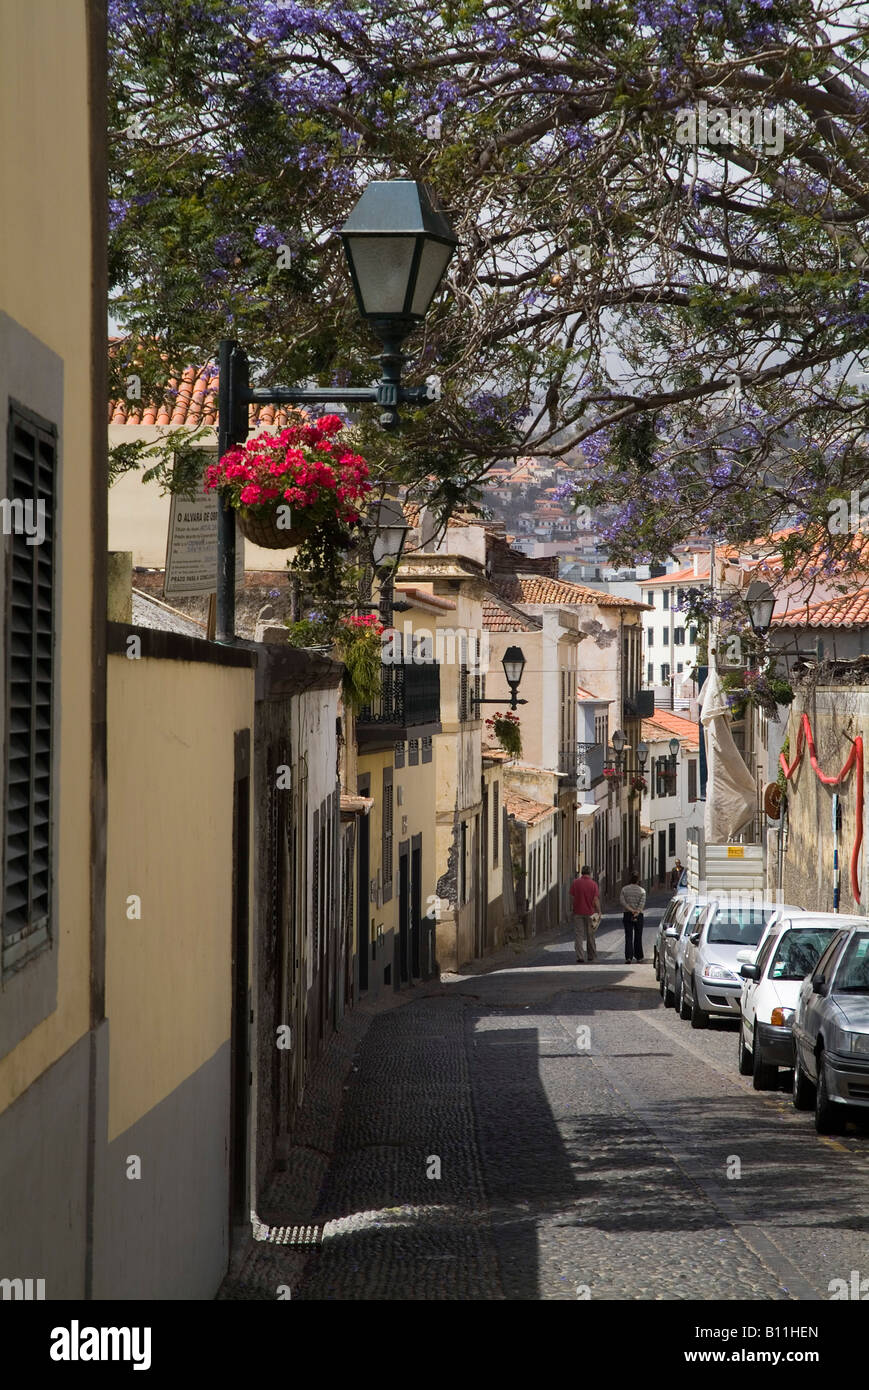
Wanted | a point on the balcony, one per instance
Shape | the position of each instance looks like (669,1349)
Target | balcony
(590,768)
(640,705)
(410,698)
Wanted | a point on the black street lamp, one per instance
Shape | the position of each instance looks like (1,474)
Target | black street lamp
(618,742)
(513,662)
(398,245)
(760,602)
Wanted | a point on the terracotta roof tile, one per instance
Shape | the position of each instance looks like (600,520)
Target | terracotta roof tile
(524,809)
(845,610)
(540,589)
(666,724)
(192,400)
(677,577)
(501,616)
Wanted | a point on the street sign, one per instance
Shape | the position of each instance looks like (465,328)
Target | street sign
(735,851)
(191,547)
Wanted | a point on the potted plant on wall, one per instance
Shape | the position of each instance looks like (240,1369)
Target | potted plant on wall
(638,786)
(354,641)
(506,729)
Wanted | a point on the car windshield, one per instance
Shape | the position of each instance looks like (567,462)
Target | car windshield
(735,926)
(691,920)
(799,952)
(852,977)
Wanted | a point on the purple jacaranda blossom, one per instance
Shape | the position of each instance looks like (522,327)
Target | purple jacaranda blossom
(118,209)
(268,235)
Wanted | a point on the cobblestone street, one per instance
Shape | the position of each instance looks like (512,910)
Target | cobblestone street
(481,1154)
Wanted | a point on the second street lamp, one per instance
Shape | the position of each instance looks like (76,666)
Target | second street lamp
(513,662)
(398,245)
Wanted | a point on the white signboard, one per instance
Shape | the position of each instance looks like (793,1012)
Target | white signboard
(191,549)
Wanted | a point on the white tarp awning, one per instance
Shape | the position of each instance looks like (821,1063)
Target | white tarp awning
(731,797)
(586,811)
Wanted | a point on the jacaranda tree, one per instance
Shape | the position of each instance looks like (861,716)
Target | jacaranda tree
(662,209)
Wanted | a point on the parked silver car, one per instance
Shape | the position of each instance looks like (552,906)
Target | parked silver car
(688,918)
(831,1032)
(711,984)
(667,918)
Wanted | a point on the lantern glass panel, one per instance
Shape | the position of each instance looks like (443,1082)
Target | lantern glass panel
(382,265)
(432,264)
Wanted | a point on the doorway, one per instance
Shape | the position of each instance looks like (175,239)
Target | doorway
(662,855)
(403,910)
(415,904)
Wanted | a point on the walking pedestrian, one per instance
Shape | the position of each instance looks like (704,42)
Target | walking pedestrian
(633,900)
(675,874)
(585,897)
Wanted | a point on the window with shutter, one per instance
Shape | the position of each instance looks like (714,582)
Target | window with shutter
(463,679)
(692,779)
(496,821)
(30,602)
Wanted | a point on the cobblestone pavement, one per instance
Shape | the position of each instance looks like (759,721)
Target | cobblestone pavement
(482,1154)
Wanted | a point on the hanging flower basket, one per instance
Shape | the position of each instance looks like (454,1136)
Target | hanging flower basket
(303,484)
(260,526)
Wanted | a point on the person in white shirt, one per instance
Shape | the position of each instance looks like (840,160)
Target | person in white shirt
(633,900)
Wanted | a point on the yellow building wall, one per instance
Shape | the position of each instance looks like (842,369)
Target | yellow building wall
(170,803)
(45,286)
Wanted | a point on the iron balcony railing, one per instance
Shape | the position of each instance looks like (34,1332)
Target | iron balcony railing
(408,695)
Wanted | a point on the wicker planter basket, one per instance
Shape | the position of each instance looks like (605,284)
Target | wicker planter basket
(260,526)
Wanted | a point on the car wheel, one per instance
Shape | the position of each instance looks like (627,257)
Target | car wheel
(681,1002)
(669,995)
(829,1118)
(763,1076)
(804,1092)
(743,1056)
(699,1019)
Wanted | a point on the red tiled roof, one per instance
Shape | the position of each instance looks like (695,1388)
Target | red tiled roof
(526,810)
(584,694)
(540,589)
(845,610)
(666,724)
(501,616)
(677,577)
(194,402)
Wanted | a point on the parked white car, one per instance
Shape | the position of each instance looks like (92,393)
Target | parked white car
(771,986)
(711,986)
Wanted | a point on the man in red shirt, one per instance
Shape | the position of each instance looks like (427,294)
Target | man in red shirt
(585,897)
